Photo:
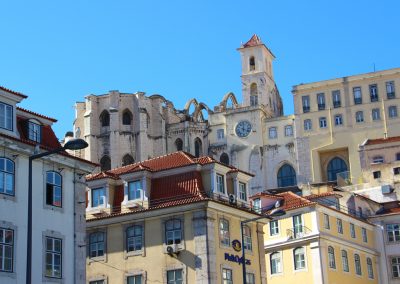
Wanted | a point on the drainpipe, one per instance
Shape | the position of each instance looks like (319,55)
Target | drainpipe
(385,133)
(323,146)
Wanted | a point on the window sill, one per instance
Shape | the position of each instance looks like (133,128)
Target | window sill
(8,274)
(96,259)
(53,208)
(134,253)
(5,196)
(49,279)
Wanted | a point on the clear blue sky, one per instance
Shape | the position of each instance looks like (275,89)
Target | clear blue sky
(57,52)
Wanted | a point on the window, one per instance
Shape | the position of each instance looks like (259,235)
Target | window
(273,227)
(220,184)
(227,276)
(390,92)
(250,278)
(339,225)
(359,116)
(98,197)
(105,118)
(135,190)
(345,261)
(252,63)
(338,120)
(34,131)
(175,276)
(392,111)
(53,189)
(96,244)
(224,158)
(357,95)
(53,257)
(173,231)
(321,101)
(376,114)
(393,232)
(127,118)
(6,176)
(397,156)
(127,160)
(297,225)
(253,94)
(97,282)
(6,116)
(396,171)
(373,92)
(299,258)
(179,144)
(198,147)
(257,205)
(336,99)
(377,174)
(307,124)
(377,160)
(134,238)
(306,103)
(364,235)
(352,231)
(220,134)
(286,176)
(357,264)
(272,133)
(105,163)
(134,279)
(322,122)
(276,263)
(242,191)
(395,261)
(369,268)
(331,257)
(335,167)
(326,222)
(6,250)
(247,238)
(224,232)
(288,130)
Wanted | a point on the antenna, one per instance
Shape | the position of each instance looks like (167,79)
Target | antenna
(374,67)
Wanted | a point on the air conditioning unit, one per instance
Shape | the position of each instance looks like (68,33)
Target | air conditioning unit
(386,189)
(232,199)
(171,249)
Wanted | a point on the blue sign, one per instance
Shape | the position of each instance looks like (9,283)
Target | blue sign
(236,258)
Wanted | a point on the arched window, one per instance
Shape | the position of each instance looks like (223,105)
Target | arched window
(127,160)
(275,260)
(253,94)
(224,158)
(7,176)
(345,261)
(179,144)
(198,147)
(105,163)
(370,269)
(134,238)
(286,176)
(252,63)
(335,166)
(127,117)
(331,257)
(299,258)
(105,118)
(247,243)
(53,189)
(357,264)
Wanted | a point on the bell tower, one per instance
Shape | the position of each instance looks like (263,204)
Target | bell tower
(258,85)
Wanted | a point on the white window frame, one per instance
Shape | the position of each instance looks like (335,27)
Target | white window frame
(224,232)
(345,261)
(101,201)
(273,227)
(338,120)
(275,262)
(7,176)
(95,246)
(54,253)
(227,276)
(376,114)
(247,239)
(392,110)
(288,130)
(136,186)
(34,131)
(357,268)
(307,124)
(55,188)
(395,262)
(393,231)
(364,235)
(370,268)
(359,116)
(323,122)
(331,257)
(339,224)
(272,133)
(6,116)
(352,231)
(327,224)
(175,280)
(242,191)
(6,246)
(304,266)
(220,134)
(220,184)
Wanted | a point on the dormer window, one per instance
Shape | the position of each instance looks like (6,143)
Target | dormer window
(220,184)
(135,190)
(34,131)
(98,197)
(6,116)
(242,191)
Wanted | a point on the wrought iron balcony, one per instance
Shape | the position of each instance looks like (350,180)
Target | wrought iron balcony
(337,104)
(298,232)
(357,101)
(306,109)
(374,98)
(321,106)
(391,95)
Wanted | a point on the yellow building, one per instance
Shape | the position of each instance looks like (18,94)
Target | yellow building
(334,117)
(172,219)
(315,242)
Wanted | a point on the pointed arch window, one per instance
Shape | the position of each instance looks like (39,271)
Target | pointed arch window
(198,147)
(105,163)
(336,166)
(127,160)
(179,144)
(253,94)
(127,118)
(105,118)
(252,63)
(286,176)
(224,158)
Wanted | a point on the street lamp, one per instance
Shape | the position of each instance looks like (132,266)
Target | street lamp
(274,213)
(73,144)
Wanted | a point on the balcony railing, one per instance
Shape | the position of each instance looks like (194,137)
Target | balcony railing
(298,232)
(337,104)
(306,109)
(321,106)
(391,95)
(374,98)
(357,101)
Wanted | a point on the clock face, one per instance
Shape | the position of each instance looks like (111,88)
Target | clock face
(243,128)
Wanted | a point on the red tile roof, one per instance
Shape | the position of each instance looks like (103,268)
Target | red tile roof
(259,194)
(294,201)
(13,92)
(253,41)
(321,195)
(37,114)
(382,140)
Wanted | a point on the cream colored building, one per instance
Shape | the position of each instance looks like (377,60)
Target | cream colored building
(172,219)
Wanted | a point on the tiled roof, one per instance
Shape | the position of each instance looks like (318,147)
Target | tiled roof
(325,194)
(13,92)
(382,140)
(37,114)
(254,41)
(293,201)
(259,194)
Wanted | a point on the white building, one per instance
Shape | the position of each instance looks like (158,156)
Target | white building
(58,208)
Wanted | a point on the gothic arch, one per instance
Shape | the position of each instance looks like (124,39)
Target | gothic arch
(198,147)
(179,144)
(127,160)
(225,99)
(189,103)
(224,158)
(104,118)
(198,115)
(105,163)
(127,117)
(335,166)
(286,175)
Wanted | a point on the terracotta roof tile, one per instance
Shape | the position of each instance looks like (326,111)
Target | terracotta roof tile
(13,92)
(293,201)
(325,194)
(267,195)
(253,41)
(37,114)
(382,140)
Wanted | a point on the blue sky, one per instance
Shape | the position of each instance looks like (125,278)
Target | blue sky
(57,52)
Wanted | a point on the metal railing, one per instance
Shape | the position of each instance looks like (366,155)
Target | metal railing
(298,232)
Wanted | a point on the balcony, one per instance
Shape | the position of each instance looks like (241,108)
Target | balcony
(298,232)
(391,95)
(321,106)
(306,109)
(357,101)
(337,104)
(374,98)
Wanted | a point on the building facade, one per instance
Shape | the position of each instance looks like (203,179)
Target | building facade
(58,228)
(172,219)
